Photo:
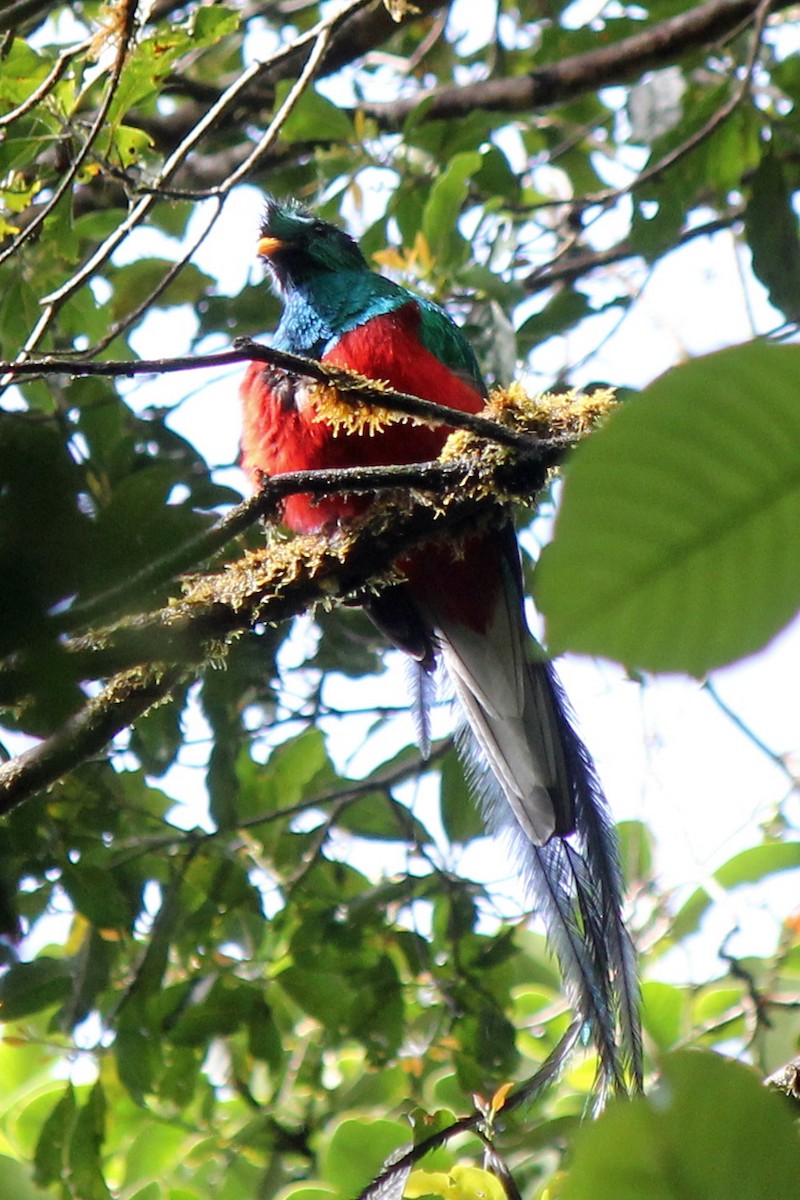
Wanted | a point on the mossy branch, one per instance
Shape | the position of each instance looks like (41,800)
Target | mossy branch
(151,653)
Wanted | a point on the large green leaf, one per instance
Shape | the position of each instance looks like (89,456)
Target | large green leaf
(358,1149)
(677,547)
(15,1182)
(710,1131)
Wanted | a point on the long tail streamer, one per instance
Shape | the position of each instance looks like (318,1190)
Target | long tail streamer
(575,883)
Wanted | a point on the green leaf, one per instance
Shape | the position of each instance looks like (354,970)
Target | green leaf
(125,145)
(305,1191)
(29,987)
(750,866)
(211,24)
(771,226)
(92,965)
(664,1013)
(95,893)
(488,1049)
(656,223)
(374,816)
(677,546)
(43,535)
(710,1131)
(16,1184)
(264,1039)
(313,118)
(495,177)
(85,1167)
(285,779)
(635,850)
(566,308)
(460,816)
(22,70)
(459,1183)
(152,1153)
(51,1149)
(157,738)
(136,1050)
(150,1191)
(357,1151)
(442,209)
(350,643)
(720,1004)
(146,67)
(134,282)
(221,1012)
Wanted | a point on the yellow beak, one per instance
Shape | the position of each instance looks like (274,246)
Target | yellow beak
(268,245)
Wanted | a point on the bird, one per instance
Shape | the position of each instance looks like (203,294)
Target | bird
(462,605)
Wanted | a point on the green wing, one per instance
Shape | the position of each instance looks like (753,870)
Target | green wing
(442,337)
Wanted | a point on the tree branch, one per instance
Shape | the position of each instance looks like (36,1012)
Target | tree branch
(577,263)
(549,85)
(578,74)
(283,580)
(85,734)
(271,585)
(432,476)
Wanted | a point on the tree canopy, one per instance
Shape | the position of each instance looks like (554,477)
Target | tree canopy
(243,953)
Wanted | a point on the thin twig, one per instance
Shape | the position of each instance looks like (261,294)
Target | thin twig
(581,263)
(523,1095)
(144,306)
(222,190)
(775,758)
(290,102)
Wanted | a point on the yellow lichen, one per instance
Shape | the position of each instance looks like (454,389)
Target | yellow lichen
(549,414)
(112,28)
(398,9)
(347,412)
(546,415)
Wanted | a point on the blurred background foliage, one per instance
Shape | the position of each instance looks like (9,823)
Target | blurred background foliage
(247,988)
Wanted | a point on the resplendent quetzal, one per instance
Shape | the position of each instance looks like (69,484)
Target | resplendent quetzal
(462,604)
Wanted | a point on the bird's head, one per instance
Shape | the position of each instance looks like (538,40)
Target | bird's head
(296,245)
